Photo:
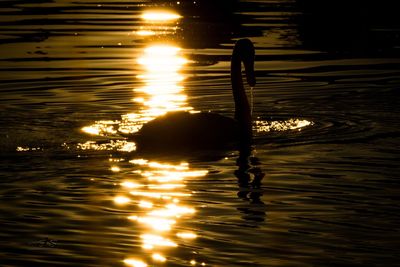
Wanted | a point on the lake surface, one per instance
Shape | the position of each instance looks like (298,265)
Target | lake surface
(77,76)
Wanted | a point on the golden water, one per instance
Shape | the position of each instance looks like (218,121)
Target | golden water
(76,77)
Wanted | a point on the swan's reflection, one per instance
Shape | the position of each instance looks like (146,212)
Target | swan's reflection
(159,193)
(250,176)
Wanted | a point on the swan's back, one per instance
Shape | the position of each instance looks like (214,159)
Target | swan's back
(183,131)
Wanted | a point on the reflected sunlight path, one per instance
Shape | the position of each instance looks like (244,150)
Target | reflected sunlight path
(159,198)
(161,65)
(162,91)
(159,189)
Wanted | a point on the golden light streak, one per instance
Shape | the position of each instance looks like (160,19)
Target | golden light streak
(180,210)
(186,235)
(103,127)
(166,186)
(139,161)
(130,185)
(163,213)
(119,145)
(167,77)
(158,257)
(145,204)
(162,51)
(160,16)
(135,263)
(116,160)
(145,33)
(128,147)
(157,241)
(181,167)
(120,200)
(115,169)
(166,195)
(172,210)
(291,124)
(156,223)
(93,130)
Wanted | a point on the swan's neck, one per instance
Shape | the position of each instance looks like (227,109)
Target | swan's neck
(242,107)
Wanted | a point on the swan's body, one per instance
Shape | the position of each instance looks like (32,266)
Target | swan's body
(185,131)
(181,131)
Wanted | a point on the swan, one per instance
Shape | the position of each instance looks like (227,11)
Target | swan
(185,131)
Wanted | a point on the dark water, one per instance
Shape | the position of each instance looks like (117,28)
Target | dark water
(76,75)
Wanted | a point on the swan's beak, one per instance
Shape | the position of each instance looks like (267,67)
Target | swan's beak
(251,80)
(250,74)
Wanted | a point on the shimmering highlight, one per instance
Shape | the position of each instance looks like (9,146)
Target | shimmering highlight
(160,16)
(291,124)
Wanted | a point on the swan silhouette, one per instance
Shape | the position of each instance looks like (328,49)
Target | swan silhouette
(184,131)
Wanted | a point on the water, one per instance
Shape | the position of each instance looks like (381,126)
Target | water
(77,76)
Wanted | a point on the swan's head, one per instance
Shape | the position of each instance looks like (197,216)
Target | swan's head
(245,50)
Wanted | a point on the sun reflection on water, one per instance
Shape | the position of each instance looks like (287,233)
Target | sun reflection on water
(162,91)
(162,16)
(135,263)
(158,257)
(286,125)
(162,199)
(119,145)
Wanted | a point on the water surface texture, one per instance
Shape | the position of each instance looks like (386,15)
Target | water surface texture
(77,77)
